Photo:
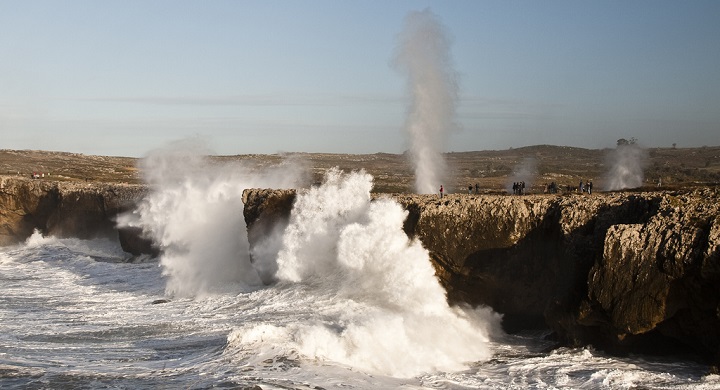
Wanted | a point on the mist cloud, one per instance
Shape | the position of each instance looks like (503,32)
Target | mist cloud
(627,163)
(423,55)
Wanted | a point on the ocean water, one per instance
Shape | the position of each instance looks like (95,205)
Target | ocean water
(72,317)
(339,298)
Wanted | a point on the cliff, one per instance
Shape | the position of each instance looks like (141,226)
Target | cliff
(622,271)
(67,209)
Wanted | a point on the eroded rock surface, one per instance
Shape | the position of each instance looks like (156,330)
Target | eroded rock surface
(64,209)
(618,270)
(622,271)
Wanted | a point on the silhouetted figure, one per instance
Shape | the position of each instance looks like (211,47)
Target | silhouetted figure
(441,191)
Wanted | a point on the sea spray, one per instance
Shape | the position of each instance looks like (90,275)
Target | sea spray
(525,172)
(194,214)
(383,310)
(316,221)
(627,163)
(423,55)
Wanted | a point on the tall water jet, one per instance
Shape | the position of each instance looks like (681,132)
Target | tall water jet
(627,163)
(423,54)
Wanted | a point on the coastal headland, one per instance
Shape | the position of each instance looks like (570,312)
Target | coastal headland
(626,271)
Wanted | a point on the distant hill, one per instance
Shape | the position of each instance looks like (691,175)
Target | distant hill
(492,170)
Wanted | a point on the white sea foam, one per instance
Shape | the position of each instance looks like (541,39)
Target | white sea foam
(387,313)
(69,321)
(353,303)
(194,214)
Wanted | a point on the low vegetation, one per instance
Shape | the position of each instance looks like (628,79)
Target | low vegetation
(492,171)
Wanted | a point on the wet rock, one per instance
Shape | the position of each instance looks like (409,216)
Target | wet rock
(67,209)
(622,271)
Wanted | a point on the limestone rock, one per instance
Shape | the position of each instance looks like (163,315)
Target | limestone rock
(622,271)
(64,209)
(660,278)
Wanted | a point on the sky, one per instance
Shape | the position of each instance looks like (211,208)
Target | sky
(122,78)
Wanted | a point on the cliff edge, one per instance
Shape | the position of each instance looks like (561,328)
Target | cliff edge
(622,271)
(67,209)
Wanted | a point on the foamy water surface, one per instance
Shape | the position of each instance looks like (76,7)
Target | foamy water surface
(338,298)
(72,321)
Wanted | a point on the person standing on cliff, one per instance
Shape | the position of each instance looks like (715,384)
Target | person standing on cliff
(441,191)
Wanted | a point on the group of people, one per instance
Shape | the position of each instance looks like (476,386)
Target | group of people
(36,175)
(518,188)
(586,187)
(470,189)
(551,188)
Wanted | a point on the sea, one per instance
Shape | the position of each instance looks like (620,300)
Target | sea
(337,297)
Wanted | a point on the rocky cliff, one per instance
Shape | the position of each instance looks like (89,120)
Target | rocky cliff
(622,271)
(67,209)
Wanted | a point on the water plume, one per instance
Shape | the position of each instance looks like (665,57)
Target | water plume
(424,56)
(193,212)
(627,163)
(525,171)
(383,309)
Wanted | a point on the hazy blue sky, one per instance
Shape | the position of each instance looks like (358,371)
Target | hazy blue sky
(125,77)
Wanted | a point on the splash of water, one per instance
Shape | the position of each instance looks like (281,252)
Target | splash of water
(627,163)
(525,172)
(194,214)
(424,56)
(389,313)
(376,303)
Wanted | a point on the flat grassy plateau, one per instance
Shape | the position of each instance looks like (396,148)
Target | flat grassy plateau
(493,171)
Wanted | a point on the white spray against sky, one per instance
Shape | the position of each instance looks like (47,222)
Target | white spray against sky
(194,214)
(627,163)
(424,55)
(388,314)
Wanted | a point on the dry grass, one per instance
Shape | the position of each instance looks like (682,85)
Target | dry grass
(491,170)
